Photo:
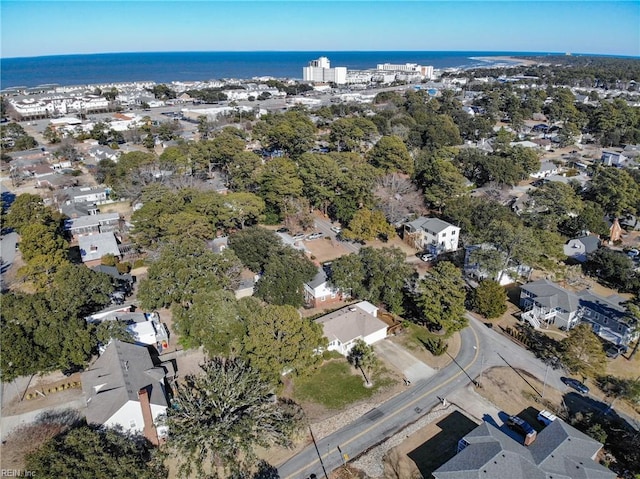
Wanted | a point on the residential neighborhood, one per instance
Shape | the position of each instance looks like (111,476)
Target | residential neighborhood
(385,272)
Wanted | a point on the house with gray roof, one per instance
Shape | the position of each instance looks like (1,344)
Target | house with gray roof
(578,248)
(320,291)
(91,224)
(124,388)
(432,235)
(559,452)
(94,247)
(359,321)
(544,303)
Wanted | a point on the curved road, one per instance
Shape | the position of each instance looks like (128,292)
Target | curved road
(481,349)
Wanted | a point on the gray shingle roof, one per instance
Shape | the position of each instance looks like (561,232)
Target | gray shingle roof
(349,323)
(559,452)
(116,377)
(591,243)
(551,295)
(318,279)
(432,225)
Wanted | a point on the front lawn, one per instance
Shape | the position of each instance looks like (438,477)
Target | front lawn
(337,384)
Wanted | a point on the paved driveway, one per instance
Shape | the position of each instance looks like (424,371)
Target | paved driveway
(412,368)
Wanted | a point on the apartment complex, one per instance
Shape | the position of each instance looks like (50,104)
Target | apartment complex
(320,71)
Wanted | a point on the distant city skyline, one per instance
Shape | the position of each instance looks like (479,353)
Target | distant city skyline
(41,28)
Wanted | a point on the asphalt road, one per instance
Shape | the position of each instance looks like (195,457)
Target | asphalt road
(325,227)
(385,420)
(481,348)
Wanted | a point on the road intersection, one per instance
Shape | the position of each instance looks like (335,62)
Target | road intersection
(481,348)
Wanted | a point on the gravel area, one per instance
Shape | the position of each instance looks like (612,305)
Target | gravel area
(372,462)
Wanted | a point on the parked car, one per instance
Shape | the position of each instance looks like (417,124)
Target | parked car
(546,417)
(299,236)
(575,384)
(427,257)
(282,230)
(336,229)
(614,350)
(314,236)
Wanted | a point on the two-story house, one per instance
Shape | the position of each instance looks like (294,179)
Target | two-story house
(432,235)
(92,224)
(320,292)
(544,303)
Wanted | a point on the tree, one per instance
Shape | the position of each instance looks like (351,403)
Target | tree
(489,299)
(242,171)
(391,154)
(184,270)
(222,414)
(28,209)
(398,198)
(612,267)
(255,246)
(212,321)
(278,180)
(242,208)
(367,225)
(348,134)
(362,357)
(554,203)
(284,276)
(582,352)
(292,132)
(440,180)
(441,298)
(615,190)
(94,451)
(320,175)
(378,275)
(279,341)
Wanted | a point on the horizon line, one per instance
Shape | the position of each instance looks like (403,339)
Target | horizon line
(505,52)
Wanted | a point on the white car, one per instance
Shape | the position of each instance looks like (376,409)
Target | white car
(427,257)
(314,236)
(336,229)
(299,236)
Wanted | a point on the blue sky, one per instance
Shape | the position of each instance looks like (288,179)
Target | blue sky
(34,28)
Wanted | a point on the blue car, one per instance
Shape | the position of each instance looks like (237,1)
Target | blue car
(575,384)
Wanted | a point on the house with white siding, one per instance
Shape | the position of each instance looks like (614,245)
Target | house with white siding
(359,321)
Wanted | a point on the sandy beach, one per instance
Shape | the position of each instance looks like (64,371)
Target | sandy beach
(514,61)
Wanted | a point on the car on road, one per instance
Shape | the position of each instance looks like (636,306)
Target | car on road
(427,257)
(336,229)
(314,236)
(575,384)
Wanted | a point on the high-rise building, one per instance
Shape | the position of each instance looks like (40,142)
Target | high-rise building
(320,71)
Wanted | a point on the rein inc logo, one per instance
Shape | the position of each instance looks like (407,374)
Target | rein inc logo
(17,473)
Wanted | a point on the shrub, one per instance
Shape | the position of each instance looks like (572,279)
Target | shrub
(123,268)
(139,263)
(436,346)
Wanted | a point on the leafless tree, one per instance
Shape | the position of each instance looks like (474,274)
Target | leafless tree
(398,197)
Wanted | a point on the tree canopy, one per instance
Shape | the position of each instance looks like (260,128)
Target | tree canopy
(222,414)
(441,298)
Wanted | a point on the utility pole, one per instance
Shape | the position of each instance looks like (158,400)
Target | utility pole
(318,452)
(544,385)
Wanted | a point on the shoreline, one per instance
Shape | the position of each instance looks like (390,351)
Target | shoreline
(516,61)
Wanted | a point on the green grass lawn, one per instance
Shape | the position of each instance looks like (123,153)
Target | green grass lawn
(336,384)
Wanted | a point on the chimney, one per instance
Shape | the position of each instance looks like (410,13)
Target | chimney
(149,430)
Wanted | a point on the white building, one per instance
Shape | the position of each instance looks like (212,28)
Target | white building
(432,234)
(320,71)
(359,321)
(425,71)
(124,388)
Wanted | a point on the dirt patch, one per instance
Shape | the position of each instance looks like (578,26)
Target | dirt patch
(513,393)
(325,249)
(122,207)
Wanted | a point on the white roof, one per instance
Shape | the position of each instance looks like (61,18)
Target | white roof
(95,246)
(350,323)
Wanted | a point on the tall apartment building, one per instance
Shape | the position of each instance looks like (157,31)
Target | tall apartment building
(320,71)
(425,71)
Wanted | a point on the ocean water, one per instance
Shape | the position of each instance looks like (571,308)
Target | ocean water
(192,66)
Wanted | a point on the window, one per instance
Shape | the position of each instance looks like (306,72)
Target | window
(444,235)
(132,424)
